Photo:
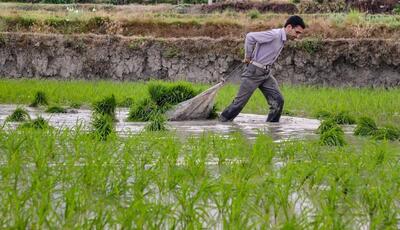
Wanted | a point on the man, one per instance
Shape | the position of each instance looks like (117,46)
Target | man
(261,51)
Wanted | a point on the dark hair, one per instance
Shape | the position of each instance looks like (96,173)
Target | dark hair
(295,21)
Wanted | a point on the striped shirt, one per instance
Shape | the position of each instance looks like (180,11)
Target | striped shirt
(265,46)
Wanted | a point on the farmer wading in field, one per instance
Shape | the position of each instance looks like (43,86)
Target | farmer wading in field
(261,51)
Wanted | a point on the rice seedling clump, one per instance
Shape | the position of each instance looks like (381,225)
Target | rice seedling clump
(158,93)
(344,117)
(331,133)
(387,133)
(162,98)
(56,109)
(103,117)
(103,125)
(170,95)
(323,114)
(157,123)
(106,106)
(38,123)
(143,110)
(40,99)
(365,127)
(19,115)
(127,102)
(341,117)
(327,125)
(333,137)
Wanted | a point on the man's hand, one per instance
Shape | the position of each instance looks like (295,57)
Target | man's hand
(246,60)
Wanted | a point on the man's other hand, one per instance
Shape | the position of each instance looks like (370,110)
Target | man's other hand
(246,60)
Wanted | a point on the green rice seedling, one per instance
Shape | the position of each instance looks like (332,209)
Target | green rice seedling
(157,181)
(323,114)
(158,93)
(18,115)
(365,127)
(144,109)
(387,133)
(75,105)
(127,102)
(164,95)
(157,123)
(141,110)
(327,125)
(180,92)
(106,106)
(103,125)
(304,101)
(56,109)
(40,99)
(333,137)
(344,117)
(38,123)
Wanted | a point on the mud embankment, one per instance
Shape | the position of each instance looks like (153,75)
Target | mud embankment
(346,62)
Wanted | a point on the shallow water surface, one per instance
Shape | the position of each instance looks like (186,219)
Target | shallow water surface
(248,124)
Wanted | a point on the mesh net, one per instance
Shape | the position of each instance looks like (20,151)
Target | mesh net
(196,108)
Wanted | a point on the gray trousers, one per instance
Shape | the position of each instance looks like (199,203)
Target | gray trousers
(252,78)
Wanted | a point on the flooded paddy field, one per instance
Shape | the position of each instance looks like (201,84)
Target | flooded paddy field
(248,124)
(52,178)
(247,174)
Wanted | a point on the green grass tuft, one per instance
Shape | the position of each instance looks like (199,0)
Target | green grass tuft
(254,14)
(19,115)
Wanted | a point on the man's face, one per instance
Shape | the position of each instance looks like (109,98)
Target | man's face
(293,32)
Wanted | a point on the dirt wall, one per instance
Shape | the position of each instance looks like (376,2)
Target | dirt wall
(314,62)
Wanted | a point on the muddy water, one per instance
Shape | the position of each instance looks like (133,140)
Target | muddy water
(248,124)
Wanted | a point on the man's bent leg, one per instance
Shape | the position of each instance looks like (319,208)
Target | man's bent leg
(274,97)
(247,87)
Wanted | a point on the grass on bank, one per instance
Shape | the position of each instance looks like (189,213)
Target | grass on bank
(167,24)
(306,101)
(67,179)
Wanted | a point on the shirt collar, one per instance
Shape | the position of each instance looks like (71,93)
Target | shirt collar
(283,34)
